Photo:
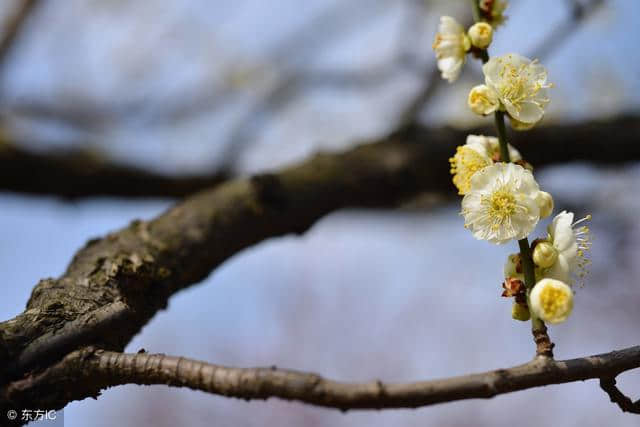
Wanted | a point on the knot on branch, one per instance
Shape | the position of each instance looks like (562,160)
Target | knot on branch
(544,346)
(131,273)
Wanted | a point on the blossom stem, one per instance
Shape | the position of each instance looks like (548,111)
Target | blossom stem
(527,263)
(479,53)
(484,55)
(544,346)
(476,10)
(502,137)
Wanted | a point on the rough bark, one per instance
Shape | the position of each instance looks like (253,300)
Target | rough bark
(136,269)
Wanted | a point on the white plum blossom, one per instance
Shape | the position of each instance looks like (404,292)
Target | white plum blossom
(465,163)
(501,203)
(521,86)
(479,152)
(551,300)
(451,45)
(571,244)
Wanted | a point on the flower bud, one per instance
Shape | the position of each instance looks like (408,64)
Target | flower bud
(520,312)
(545,254)
(545,203)
(481,35)
(483,100)
(551,300)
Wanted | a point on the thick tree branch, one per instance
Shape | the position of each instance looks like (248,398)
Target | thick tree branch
(86,372)
(143,264)
(77,173)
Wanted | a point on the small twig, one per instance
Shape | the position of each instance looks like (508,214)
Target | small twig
(608,384)
(13,27)
(578,14)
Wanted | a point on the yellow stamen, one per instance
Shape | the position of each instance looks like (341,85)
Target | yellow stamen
(464,165)
(554,302)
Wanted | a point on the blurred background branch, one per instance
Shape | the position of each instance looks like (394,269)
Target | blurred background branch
(13,26)
(78,173)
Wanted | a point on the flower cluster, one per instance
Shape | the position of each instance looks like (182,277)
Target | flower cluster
(502,200)
(559,259)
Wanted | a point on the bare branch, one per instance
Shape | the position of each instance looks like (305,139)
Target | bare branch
(78,173)
(608,384)
(578,14)
(75,173)
(85,372)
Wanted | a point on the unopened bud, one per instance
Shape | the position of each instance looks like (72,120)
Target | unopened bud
(520,312)
(483,100)
(481,35)
(545,203)
(545,254)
